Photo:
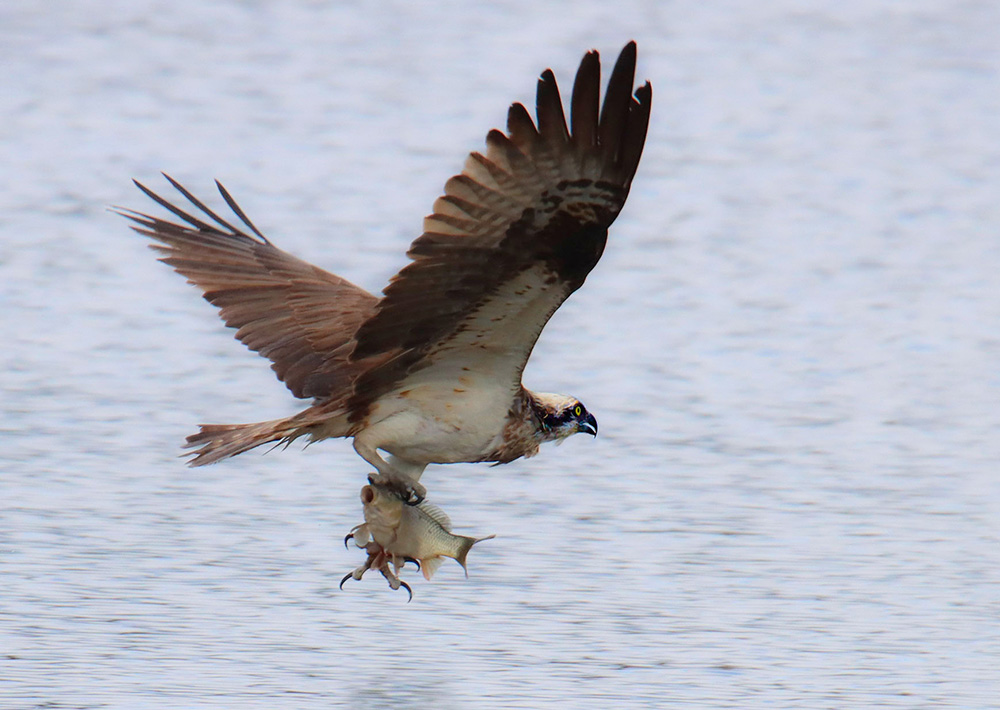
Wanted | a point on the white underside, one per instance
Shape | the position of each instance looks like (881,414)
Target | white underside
(438,422)
(455,408)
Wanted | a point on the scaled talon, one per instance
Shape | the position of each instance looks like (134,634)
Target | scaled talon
(409,591)
(379,559)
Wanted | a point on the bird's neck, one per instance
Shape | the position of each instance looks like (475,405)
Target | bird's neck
(536,413)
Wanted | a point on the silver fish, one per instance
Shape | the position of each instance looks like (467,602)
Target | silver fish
(399,533)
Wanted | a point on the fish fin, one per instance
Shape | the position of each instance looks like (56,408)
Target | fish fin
(436,514)
(467,543)
(429,566)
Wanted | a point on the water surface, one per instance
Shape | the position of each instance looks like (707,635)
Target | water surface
(791,347)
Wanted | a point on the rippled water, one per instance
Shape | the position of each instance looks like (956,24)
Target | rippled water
(791,346)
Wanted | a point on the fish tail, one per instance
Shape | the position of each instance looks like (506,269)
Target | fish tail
(465,546)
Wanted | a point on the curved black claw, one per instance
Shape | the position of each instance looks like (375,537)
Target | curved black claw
(349,536)
(414,560)
(409,591)
(414,498)
(346,577)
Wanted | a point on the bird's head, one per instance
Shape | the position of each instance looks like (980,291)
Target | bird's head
(561,416)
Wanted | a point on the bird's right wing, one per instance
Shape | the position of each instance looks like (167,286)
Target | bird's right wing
(297,315)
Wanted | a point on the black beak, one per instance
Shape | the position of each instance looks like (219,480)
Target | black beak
(588,425)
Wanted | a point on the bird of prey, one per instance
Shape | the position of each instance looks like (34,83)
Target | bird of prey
(430,372)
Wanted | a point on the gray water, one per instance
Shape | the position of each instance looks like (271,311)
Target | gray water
(791,346)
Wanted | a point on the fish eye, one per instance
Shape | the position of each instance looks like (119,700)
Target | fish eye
(577,410)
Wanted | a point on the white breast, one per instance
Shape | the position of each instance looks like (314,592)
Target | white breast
(441,421)
(454,407)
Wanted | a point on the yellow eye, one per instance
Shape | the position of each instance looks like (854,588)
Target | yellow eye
(577,410)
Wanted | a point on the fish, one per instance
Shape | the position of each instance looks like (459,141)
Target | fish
(397,532)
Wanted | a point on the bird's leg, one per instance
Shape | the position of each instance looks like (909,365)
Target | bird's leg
(396,473)
(411,473)
(412,470)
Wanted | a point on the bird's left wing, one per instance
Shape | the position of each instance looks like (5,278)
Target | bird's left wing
(297,315)
(512,237)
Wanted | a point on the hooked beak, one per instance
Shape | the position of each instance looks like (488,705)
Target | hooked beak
(588,425)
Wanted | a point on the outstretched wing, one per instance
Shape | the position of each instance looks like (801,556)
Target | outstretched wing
(512,237)
(297,315)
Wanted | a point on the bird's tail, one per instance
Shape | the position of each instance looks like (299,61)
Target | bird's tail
(220,441)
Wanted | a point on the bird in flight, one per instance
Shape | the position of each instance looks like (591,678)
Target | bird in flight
(430,372)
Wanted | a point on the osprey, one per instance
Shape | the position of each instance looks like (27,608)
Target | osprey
(431,371)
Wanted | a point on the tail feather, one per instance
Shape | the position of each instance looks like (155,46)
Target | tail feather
(220,441)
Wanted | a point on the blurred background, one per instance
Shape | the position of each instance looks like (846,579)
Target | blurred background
(790,344)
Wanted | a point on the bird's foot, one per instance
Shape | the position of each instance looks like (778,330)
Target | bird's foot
(395,582)
(409,490)
(358,573)
(379,559)
(360,534)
